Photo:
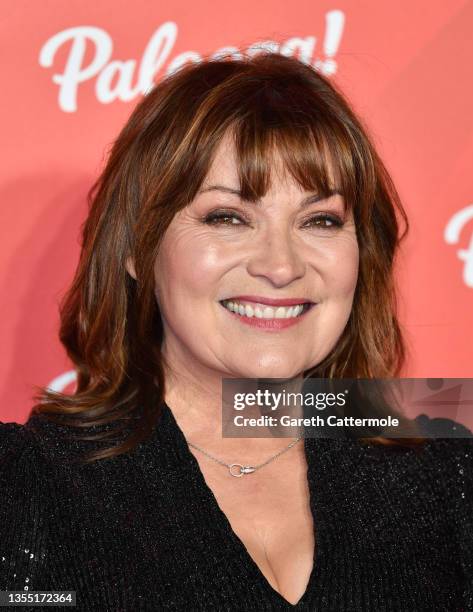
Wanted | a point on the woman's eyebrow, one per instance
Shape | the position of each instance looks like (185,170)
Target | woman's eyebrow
(312,199)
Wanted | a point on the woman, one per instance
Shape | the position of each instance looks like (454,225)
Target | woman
(235,190)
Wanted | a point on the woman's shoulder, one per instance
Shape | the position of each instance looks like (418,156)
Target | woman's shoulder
(449,441)
(31,449)
(443,462)
(18,444)
(440,427)
(62,447)
(23,464)
(27,478)
(451,469)
(17,439)
(444,458)
(24,486)
(48,438)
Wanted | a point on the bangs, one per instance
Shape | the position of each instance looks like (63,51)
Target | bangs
(311,144)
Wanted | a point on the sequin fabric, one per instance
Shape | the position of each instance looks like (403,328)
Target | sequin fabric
(143,531)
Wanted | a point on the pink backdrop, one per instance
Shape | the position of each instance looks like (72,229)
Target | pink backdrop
(73,71)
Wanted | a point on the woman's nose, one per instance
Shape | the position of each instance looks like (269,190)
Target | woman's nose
(277,258)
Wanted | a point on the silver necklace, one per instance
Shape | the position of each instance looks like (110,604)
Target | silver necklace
(244,469)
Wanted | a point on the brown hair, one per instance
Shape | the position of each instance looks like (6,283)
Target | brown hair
(110,323)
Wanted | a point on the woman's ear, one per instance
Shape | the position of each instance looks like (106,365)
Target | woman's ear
(130,267)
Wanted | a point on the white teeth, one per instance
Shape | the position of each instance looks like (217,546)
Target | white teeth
(264,312)
(249,312)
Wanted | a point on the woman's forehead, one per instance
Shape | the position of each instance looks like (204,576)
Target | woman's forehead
(225,162)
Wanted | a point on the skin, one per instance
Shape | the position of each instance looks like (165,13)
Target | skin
(272,249)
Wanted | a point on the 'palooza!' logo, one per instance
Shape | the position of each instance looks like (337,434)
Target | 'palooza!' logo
(451,235)
(114,77)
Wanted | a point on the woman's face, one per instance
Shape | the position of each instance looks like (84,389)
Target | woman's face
(275,249)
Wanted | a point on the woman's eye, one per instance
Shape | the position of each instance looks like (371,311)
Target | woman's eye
(223,218)
(325,221)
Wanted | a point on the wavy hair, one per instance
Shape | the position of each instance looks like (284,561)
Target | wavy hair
(110,323)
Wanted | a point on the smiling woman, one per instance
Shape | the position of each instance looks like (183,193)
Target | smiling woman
(243,227)
(282,245)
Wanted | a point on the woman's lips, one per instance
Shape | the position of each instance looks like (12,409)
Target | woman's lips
(269,301)
(269,324)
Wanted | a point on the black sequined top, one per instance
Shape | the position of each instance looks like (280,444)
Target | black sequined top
(143,531)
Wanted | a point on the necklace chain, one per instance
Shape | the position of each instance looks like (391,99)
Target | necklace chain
(244,469)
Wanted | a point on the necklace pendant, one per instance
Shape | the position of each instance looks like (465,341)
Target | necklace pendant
(241,469)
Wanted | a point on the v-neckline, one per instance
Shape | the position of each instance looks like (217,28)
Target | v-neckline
(240,545)
(237,543)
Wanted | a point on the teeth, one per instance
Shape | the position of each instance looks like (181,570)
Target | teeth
(261,311)
(281,313)
(249,312)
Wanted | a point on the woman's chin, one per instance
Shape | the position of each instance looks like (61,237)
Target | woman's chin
(286,373)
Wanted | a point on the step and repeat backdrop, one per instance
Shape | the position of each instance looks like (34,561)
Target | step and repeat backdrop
(72,71)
